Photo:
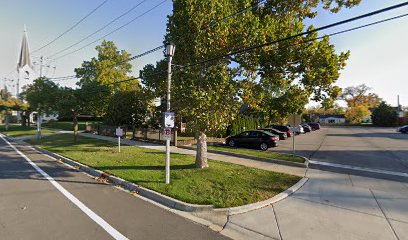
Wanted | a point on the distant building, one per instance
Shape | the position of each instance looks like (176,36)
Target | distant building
(24,66)
(25,76)
(332,118)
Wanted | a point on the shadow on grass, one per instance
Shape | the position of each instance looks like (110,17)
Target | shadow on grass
(161,167)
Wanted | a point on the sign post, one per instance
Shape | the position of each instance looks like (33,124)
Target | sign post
(294,121)
(119,133)
(168,119)
(294,134)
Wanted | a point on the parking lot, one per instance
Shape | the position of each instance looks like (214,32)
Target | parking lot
(368,147)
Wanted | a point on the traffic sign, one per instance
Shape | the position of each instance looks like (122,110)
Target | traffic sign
(119,132)
(167,134)
(169,119)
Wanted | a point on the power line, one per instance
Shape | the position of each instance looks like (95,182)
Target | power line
(299,34)
(143,54)
(291,37)
(62,78)
(72,27)
(117,29)
(100,29)
(117,63)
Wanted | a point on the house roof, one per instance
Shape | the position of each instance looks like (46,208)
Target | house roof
(332,116)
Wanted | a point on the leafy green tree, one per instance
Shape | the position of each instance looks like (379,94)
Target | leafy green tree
(127,108)
(74,101)
(275,80)
(110,66)
(106,74)
(42,96)
(154,79)
(384,115)
(5,95)
(357,114)
(360,95)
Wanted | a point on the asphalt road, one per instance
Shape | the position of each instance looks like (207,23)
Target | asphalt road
(31,206)
(368,147)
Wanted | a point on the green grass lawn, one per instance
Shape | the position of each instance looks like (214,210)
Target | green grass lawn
(67,126)
(181,138)
(222,184)
(257,153)
(15,130)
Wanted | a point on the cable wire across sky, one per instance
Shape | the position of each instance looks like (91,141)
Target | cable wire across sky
(115,30)
(238,51)
(100,29)
(72,27)
(63,78)
(251,48)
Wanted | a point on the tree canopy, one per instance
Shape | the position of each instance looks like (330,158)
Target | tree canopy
(360,96)
(42,95)
(273,81)
(103,76)
(384,115)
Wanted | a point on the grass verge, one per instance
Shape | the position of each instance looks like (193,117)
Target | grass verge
(257,153)
(15,130)
(182,138)
(67,126)
(222,184)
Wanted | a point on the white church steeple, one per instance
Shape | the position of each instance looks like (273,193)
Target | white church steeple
(24,66)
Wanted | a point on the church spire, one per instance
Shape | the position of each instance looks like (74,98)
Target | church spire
(25,58)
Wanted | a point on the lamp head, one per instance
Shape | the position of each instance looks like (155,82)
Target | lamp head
(170,48)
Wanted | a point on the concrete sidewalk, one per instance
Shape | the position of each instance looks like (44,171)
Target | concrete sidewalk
(328,206)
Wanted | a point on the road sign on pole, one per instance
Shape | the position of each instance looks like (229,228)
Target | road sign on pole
(119,133)
(167,134)
(168,119)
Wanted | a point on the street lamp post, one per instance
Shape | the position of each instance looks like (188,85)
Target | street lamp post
(170,48)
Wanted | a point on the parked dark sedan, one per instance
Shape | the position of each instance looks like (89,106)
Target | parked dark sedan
(282,135)
(403,129)
(282,128)
(314,126)
(254,138)
(306,128)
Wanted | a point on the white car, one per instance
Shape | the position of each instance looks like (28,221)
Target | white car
(298,130)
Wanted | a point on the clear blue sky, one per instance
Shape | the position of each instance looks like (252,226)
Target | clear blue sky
(378,54)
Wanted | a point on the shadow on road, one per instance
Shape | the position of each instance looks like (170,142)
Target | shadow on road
(371,135)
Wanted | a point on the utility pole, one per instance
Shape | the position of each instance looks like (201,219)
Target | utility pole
(41,65)
(170,48)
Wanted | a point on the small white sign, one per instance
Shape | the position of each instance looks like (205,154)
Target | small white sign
(157,102)
(169,119)
(119,132)
(167,134)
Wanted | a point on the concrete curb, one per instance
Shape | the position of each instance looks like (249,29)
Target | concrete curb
(359,171)
(147,193)
(269,160)
(218,216)
(270,201)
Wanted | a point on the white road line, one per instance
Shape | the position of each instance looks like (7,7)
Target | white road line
(371,170)
(97,219)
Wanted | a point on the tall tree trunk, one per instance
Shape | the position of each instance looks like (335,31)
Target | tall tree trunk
(28,118)
(24,118)
(75,127)
(201,157)
(7,120)
(38,125)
